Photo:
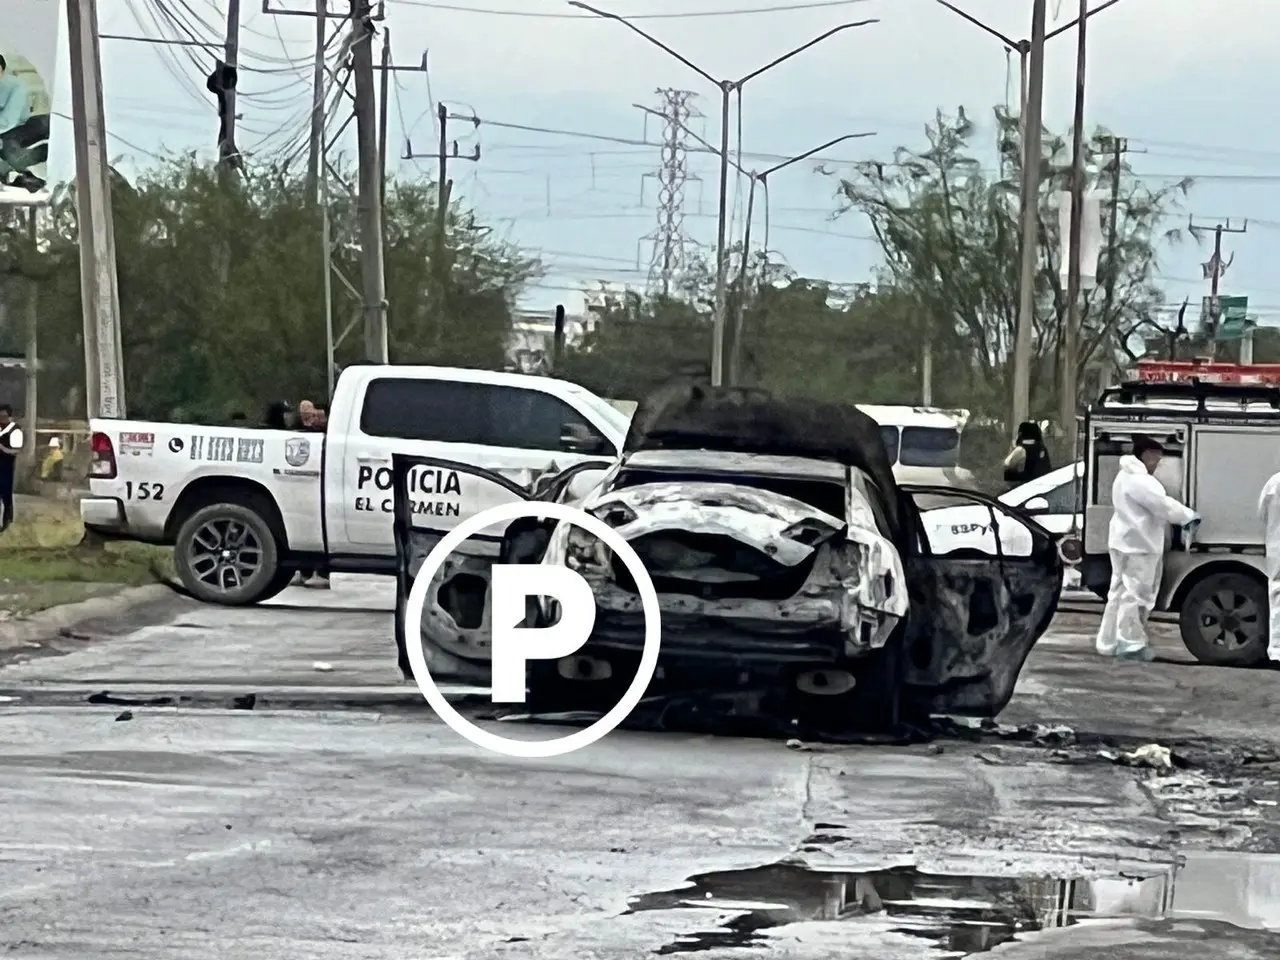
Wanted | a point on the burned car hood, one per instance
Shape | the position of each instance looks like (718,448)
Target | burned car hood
(784,529)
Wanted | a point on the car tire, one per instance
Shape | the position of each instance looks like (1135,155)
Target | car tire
(284,576)
(204,568)
(1205,618)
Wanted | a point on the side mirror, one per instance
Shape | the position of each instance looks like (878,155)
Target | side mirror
(1036,505)
(575,438)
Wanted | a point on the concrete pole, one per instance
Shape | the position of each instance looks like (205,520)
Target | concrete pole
(1030,219)
(228,152)
(1068,387)
(315,155)
(31,354)
(104,381)
(722,251)
(369,202)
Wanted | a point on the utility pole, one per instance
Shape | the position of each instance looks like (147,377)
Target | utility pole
(1068,383)
(1213,272)
(444,185)
(368,202)
(384,103)
(1030,218)
(318,86)
(31,411)
(99,293)
(229,154)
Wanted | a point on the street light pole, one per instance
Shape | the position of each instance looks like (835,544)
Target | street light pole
(727,89)
(1031,85)
(762,178)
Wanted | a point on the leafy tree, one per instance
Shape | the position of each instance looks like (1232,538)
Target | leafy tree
(950,236)
(221,290)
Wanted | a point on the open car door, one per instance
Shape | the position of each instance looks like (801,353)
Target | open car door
(974,616)
(455,626)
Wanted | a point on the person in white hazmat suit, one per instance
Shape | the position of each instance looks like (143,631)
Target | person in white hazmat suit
(1269,511)
(1142,513)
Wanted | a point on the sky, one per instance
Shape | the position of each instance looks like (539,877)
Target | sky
(1184,80)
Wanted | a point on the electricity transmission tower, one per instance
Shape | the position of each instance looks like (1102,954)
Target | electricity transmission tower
(670,244)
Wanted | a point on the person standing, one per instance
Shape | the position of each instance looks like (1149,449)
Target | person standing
(311,419)
(1269,511)
(10,446)
(1141,511)
(1029,458)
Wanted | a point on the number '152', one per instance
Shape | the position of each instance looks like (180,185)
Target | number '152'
(143,491)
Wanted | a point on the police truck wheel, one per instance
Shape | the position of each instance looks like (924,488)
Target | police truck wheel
(226,553)
(1224,620)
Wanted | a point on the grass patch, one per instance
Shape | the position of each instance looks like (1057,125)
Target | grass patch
(44,546)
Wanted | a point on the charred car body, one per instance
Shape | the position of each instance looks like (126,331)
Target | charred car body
(791,570)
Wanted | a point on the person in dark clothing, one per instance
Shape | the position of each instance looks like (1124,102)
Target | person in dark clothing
(311,418)
(10,444)
(1029,458)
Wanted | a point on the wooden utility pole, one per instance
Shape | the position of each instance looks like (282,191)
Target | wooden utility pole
(99,293)
(1213,271)
(384,104)
(315,154)
(368,201)
(1031,135)
(1069,389)
(228,152)
(445,186)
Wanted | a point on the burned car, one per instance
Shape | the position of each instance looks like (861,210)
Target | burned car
(791,570)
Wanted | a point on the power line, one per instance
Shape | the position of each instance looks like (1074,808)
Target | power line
(687,15)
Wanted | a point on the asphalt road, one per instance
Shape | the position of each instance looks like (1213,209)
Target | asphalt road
(338,818)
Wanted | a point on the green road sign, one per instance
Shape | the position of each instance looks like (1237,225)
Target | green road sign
(1233,320)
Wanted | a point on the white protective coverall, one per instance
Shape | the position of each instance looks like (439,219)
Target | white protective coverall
(1269,511)
(1142,511)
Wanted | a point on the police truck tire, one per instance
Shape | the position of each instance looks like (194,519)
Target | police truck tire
(227,553)
(1223,620)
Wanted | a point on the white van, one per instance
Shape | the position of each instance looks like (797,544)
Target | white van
(923,443)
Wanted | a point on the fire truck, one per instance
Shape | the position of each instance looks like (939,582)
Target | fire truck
(1220,427)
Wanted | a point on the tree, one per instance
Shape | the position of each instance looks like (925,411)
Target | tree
(221,290)
(950,236)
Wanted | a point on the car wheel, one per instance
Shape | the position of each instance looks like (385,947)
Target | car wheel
(226,553)
(282,579)
(1223,620)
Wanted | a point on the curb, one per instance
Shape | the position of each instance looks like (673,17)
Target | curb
(48,623)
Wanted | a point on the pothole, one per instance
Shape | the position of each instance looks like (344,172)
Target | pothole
(962,913)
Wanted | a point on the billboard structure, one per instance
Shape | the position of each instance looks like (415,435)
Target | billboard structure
(29,52)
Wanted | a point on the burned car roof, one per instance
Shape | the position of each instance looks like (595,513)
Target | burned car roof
(730,461)
(688,415)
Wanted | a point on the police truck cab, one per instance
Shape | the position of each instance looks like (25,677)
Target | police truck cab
(246,508)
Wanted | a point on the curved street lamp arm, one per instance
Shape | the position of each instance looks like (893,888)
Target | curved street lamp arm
(801,49)
(809,153)
(654,40)
(1058,31)
(1011,44)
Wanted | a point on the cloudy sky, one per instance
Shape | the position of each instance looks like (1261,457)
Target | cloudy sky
(1184,80)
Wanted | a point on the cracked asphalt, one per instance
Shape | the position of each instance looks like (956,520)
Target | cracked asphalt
(331,815)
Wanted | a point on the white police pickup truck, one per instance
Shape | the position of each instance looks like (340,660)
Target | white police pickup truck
(246,508)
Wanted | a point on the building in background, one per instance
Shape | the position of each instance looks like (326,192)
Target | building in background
(531,342)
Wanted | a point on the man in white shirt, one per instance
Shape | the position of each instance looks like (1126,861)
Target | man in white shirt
(1142,512)
(10,445)
(1269,511)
